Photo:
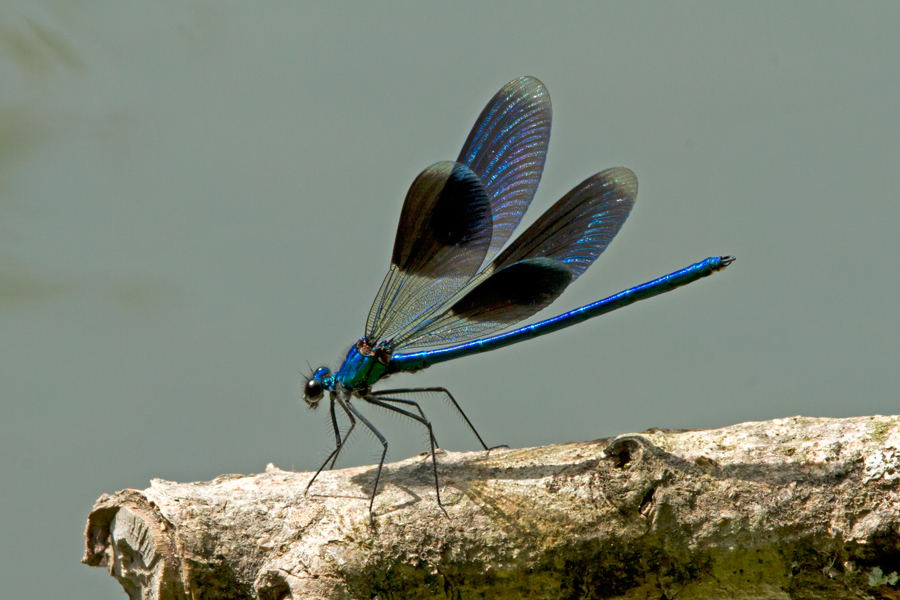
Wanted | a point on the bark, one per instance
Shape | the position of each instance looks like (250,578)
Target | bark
(790,508)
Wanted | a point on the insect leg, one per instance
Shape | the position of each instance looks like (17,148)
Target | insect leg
(383,402)
(350,408)
(379,395)
(444,391)
(339,444)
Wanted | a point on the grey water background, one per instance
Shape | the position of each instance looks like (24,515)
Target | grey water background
(197,198)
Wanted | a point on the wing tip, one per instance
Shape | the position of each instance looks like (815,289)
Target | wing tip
(532,86)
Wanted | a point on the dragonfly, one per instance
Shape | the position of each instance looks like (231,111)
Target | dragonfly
(449,285)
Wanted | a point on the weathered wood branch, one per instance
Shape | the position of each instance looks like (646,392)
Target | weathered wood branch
(790,508)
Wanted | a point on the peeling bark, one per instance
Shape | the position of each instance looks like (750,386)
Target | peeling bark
(790,508)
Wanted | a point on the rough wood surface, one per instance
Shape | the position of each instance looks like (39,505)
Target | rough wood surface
(790,508)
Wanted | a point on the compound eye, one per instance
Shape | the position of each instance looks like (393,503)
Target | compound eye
(313,392)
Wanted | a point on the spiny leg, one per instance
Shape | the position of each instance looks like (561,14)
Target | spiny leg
(455,405)
(383,402)
(379,395)
(334,425)
(340,443)
(350,408)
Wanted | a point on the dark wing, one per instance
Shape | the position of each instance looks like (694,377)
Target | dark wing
(442,239)
(457,215)
(535,269)
(507,148)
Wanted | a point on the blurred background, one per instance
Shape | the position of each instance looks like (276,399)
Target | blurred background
(197,200)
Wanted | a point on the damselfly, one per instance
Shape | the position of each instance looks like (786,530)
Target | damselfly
(449,284)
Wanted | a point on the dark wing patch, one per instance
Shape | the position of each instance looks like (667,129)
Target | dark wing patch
(505,297)
(515,292)
(445,226)
(442,239)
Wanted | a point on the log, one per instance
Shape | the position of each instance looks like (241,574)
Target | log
(789,508)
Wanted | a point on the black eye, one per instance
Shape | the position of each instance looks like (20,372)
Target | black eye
(313,391)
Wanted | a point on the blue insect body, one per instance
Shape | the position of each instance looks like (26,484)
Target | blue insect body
(449,285)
